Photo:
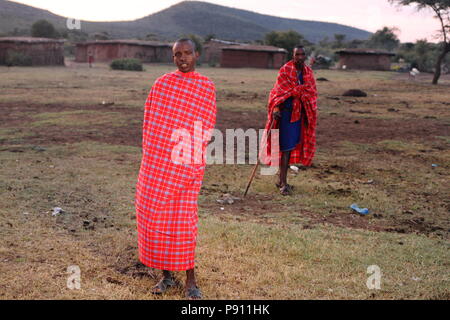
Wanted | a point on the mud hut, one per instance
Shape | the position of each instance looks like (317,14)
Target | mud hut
(108,50)
(33,51)
(212,50)
(364,59)
(252,56)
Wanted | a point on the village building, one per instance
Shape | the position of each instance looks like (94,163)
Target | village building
(212,50)
(108,50)
(36,51)
(253,56)
(364,59)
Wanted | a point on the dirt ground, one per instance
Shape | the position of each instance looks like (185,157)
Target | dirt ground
(332,130)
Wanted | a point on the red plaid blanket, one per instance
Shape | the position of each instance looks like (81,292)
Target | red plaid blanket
(167,191)
(305,95)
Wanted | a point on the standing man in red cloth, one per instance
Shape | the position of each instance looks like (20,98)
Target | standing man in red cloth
(293,109)
(180,103)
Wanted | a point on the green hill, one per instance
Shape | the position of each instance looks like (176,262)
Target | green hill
(187,17)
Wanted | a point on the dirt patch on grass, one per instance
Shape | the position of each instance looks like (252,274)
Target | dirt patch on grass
(331,130)
(257,207)
(19,116)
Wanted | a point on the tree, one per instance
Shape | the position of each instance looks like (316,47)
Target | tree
(385,38)
(197,41)
(151,37)
(286,39)
(338,41)
(102,36)
(421,55)
(441,9)
(209,37)
(43,29)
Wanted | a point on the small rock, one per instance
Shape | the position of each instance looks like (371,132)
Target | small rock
(39,149)
(354,93)
(228,199)
(393,110)
(57,211)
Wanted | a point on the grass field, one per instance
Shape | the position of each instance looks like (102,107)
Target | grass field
(70,138)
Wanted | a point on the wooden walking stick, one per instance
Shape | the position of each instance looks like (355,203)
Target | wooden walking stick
(257,162)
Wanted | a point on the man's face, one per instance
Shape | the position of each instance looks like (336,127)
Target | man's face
(299,57)
(184,56)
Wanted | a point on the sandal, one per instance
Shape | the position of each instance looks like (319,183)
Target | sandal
(279,186)
(286,190)
(194,293)
(163,285)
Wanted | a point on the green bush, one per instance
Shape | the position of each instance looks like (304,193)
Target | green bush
(15,58)
(127,64)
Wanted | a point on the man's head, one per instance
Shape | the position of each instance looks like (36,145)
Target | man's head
(185,55)
(299,56)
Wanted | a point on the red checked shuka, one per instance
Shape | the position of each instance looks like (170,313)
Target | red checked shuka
(305,99)
(167,190)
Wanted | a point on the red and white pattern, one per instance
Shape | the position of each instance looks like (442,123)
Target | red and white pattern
(167,192)
(305,95)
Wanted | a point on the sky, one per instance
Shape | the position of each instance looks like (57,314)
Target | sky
(370,15)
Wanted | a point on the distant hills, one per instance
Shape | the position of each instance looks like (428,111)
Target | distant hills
(188,17)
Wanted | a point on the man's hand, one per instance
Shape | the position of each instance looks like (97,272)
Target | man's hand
(276,115)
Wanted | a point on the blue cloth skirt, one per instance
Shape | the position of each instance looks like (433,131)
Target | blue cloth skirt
(290,132)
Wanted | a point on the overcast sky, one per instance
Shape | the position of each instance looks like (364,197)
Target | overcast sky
(369,15)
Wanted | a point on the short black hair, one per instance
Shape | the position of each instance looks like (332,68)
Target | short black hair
(187,40)
(300,46)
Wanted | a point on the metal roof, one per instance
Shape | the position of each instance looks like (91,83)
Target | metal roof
(365,52)
(255,48)
(29,40)
(128,41)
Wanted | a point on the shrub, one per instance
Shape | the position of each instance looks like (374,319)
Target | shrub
(127,64)
(44,29)
(15,58)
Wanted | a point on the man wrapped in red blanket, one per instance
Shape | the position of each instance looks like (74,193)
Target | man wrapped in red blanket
(180,114)
(292,109)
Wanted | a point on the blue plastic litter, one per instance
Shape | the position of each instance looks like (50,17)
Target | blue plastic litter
(359,210)
(434,165)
